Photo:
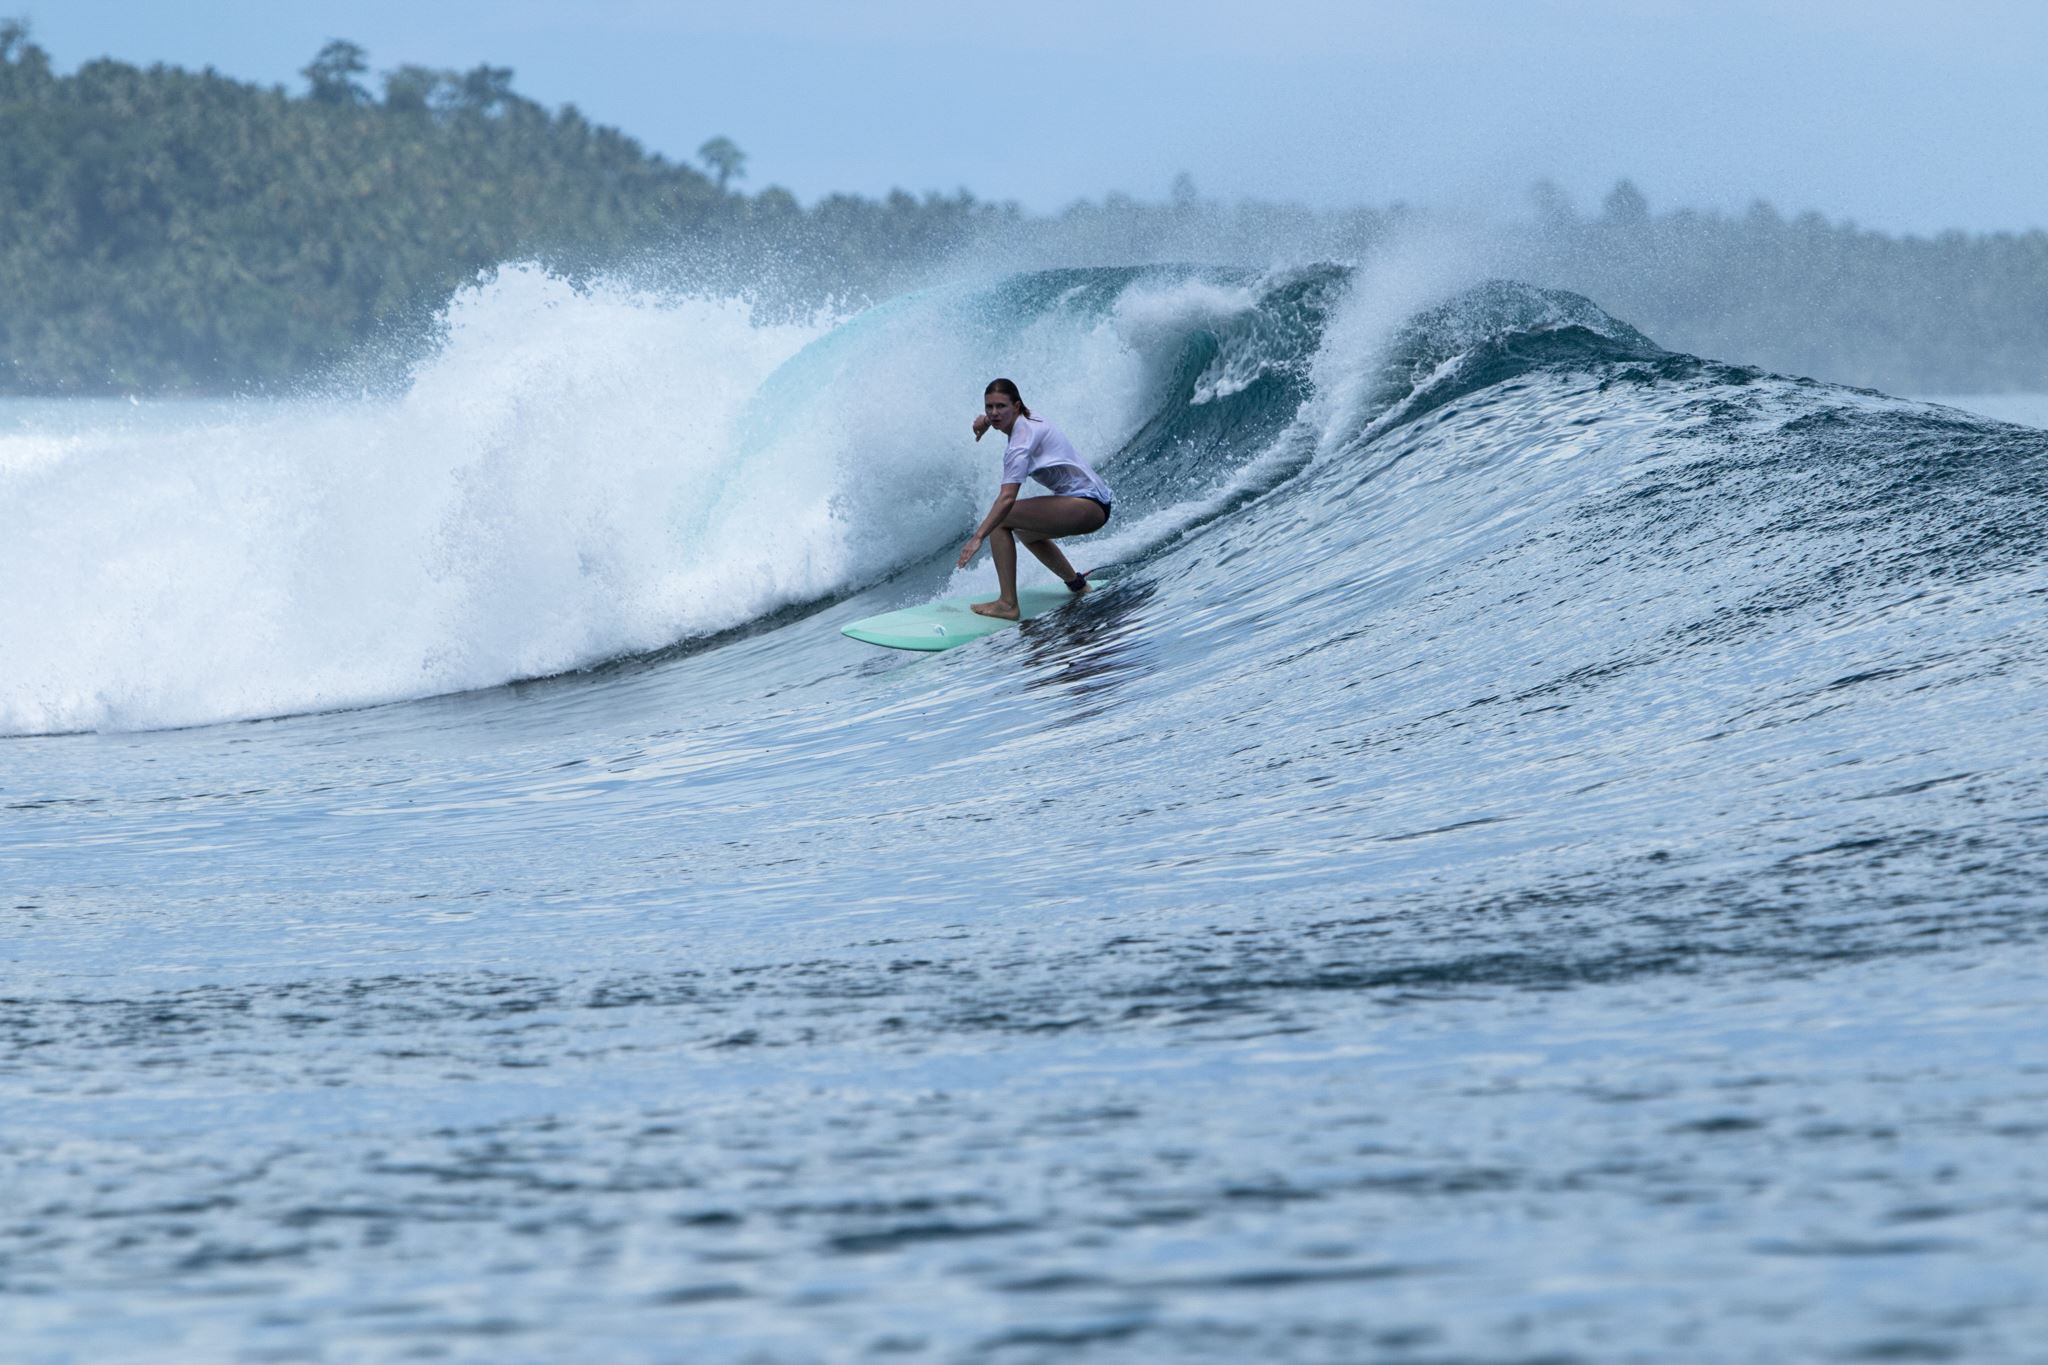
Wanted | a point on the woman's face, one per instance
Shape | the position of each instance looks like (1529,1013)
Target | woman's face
(1001,410)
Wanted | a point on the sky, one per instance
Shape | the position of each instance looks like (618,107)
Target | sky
(1900,115)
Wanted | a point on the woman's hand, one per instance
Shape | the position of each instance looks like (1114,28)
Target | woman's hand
(981,425)
(967,550)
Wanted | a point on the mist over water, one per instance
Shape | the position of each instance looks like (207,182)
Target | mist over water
(1535,854)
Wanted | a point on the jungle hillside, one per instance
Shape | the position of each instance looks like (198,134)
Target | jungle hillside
(165,231)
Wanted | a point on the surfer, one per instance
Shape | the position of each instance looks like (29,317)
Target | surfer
(1080,501)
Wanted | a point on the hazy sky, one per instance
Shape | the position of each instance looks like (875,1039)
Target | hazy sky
(1902,116)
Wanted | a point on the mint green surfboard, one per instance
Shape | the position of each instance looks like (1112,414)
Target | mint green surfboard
(948,622)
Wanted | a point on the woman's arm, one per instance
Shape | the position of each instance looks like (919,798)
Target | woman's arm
(1006,498)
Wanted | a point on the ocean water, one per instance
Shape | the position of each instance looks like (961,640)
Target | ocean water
(2021,409)
(1537,855)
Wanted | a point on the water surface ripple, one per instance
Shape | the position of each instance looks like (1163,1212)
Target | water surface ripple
(1542,862)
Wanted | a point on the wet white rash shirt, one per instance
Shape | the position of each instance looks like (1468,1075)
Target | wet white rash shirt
(1039,450)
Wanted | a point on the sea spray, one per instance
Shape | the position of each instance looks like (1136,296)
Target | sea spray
(509,516)
(580,474)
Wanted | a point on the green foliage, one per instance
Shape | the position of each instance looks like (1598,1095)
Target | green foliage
(332,74)
(175,232)
(725,159)
(1956,313)
(169,231)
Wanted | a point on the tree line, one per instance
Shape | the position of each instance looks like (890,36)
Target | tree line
(168,231)
(1953,313)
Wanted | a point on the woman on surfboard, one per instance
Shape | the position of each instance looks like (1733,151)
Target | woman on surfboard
(1080,501)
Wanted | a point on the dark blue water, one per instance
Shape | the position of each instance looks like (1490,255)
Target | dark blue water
(1538,855)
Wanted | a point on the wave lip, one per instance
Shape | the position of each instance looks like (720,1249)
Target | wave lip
(1490,333)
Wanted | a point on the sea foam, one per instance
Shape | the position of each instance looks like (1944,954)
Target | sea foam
(575,475)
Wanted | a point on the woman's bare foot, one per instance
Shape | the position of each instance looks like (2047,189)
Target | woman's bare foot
(999,608)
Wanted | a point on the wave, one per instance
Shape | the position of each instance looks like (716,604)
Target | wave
(581,475)
(577,475)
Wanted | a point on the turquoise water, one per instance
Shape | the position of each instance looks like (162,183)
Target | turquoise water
(1537,856)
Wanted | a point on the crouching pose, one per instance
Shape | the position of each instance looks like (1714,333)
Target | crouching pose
(1079,503)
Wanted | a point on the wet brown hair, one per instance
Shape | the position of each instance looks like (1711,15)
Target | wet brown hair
(1008,388)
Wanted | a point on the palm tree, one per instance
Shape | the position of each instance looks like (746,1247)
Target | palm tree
(332,73)
(725,159)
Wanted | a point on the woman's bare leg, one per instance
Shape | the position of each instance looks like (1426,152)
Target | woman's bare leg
(1044,518)
(1049,554)
(1036,521)
(1002,548)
